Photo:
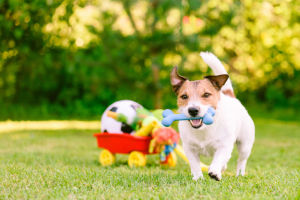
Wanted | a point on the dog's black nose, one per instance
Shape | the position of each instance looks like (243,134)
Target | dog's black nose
(193,111)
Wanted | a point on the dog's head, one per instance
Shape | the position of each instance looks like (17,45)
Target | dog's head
(195,97)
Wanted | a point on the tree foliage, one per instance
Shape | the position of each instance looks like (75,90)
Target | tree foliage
(86,54)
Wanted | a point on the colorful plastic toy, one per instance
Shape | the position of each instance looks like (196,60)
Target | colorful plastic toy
(169,117)
(142,118)
(146,130)
(125,119)
(162,137)
(120,117)
(136,146)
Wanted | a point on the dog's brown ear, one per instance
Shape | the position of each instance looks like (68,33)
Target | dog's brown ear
(218,81)
(176,80)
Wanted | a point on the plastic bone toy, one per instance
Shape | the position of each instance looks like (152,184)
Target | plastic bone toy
(169,117)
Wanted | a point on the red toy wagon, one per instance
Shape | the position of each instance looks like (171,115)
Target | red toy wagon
(136,146)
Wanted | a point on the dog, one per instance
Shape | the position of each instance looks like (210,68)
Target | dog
(232,123)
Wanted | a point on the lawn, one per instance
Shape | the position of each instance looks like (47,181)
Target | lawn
(62,164)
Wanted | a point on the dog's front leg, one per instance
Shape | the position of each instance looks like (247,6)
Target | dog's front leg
(194,160)
(221,157)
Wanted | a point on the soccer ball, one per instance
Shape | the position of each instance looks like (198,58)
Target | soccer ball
(127,108)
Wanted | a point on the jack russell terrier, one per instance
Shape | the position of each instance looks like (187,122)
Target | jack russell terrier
(232,123)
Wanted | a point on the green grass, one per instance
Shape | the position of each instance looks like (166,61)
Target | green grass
(63,165)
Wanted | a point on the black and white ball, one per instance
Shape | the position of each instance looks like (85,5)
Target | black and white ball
(126,107)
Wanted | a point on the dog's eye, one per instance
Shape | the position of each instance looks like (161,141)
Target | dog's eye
(184,96)
(206,95)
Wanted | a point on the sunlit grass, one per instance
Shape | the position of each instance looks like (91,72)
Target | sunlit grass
(10,126)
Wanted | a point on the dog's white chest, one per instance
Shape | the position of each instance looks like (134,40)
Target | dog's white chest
(206,146)
(203,143)
(203,148)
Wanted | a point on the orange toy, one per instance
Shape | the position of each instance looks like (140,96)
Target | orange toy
(161,137)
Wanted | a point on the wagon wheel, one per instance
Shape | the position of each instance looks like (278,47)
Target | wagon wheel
(171,160)
(106,158)
(136,159)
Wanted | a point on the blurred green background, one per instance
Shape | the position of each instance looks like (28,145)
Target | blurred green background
(71,59)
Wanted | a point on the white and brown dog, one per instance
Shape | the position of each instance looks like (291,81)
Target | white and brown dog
(232,123)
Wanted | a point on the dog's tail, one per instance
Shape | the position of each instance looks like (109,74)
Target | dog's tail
(215,64)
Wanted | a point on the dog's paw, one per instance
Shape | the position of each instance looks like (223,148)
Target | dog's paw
(214,172)
(240,172)
(197,176)
(214,175)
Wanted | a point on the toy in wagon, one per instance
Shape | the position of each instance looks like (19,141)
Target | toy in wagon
(129,128)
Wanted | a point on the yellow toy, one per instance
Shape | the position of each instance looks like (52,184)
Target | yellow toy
(146,130)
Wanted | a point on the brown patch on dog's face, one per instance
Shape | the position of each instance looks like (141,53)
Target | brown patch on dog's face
(176,80)
(201,91)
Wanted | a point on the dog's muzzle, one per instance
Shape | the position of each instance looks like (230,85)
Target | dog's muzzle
(193,111)
(195,123)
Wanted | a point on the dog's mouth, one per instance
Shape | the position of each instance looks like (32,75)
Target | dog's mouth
(196,123)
